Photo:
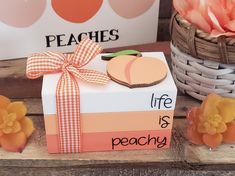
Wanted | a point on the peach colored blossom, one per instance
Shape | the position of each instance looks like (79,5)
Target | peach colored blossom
(213,123)
(15,127)
(216,17)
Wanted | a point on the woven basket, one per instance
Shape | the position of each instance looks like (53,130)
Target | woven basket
(198,77)
(201,64)
(200,44)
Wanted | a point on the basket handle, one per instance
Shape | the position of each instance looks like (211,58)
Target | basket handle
(171,22)
(190,38)
(223,49)
(191,41)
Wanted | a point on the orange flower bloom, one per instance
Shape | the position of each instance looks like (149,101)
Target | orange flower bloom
(216,17)
(213,123)
(15,127)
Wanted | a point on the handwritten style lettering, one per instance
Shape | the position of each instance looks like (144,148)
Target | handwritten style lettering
(164,101)
(159,142)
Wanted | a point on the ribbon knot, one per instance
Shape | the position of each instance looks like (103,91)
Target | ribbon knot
(67,91)
(65,65)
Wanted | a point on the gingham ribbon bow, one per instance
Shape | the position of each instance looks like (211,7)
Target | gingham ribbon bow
(67,92)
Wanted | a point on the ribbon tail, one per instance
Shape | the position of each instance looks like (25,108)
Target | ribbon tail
(68,114)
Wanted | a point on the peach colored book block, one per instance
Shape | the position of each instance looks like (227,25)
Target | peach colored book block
(52,143)
(51,124)
(118,121)
(110,141)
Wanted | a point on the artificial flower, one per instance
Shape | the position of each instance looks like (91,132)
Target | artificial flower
(213,123)
(15,127)
(216,17)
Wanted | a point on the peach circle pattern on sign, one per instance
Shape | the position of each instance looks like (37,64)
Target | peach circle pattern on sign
(76,11)
(131,8)
(21,13)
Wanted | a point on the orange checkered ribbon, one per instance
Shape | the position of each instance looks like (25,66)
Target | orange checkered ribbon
(67,92)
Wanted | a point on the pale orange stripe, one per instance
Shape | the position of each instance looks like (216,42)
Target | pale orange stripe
(51,124)
(117,121)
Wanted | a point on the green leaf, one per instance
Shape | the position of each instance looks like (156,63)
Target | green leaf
(120,53)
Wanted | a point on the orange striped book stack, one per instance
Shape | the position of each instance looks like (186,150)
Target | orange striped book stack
(115,117)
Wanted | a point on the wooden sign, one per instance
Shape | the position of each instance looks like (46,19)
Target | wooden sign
(33,26)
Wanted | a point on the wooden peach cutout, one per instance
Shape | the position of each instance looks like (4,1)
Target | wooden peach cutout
(132,71)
